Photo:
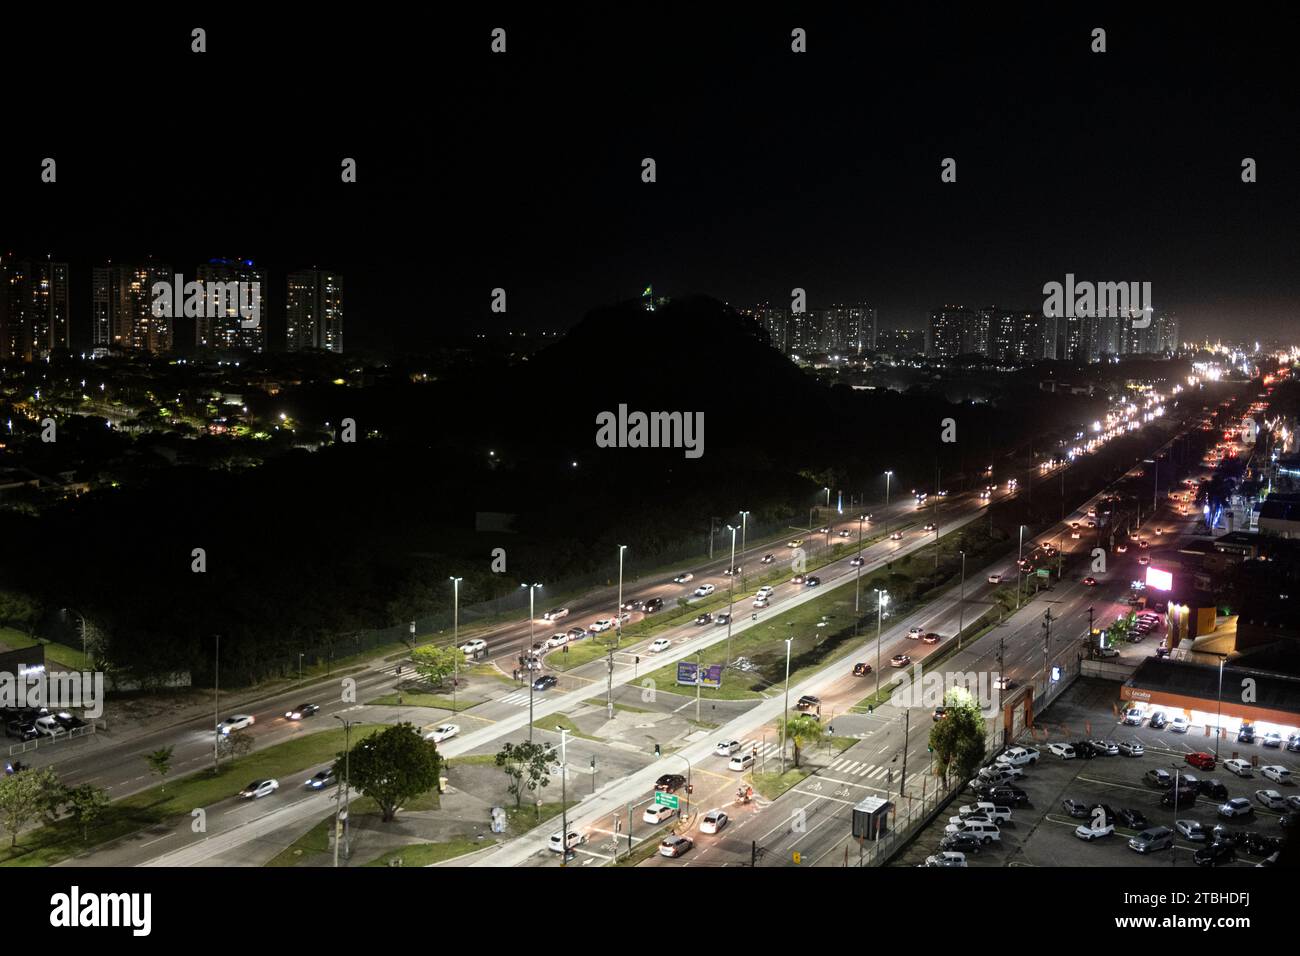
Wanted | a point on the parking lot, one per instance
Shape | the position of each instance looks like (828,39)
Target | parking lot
(1042,833)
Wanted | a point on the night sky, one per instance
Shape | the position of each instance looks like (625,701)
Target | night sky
(775,170)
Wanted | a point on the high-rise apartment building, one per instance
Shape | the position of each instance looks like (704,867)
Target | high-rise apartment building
(314,311)
(227,329)
(34,307)
(121,307)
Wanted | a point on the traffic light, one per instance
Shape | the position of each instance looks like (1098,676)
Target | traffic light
(657,754)
(690,788)
(638,659)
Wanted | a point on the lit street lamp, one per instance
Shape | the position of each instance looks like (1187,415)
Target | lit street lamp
(785,719)
(528,674)
(881,601)
(618,615)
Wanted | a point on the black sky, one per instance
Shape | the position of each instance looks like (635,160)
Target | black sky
(775,170)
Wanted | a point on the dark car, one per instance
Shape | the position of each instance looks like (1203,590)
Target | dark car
(1084,749)
(321,780)
(939,712)
(1215,854)
(1177,799)
(960,843)
(1076,808)
(861,670)
(653,604)
(812,581)
(670,782)
(1259,844)
(303,710)
(808,702)
(545,681)
(1159,778)
(1106,809)
(635,604)
(1158,720)
(1246,735)
(21,730)
(1004,795)
(67,721)
(1212,788)
(1133,819)
(704,618)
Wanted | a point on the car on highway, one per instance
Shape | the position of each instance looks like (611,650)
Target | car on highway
(1063,750)
(765,591)
(684,577)
(861,670)
(927,527)
(995,579)
(301,711)
(930,638)
(824,529)
(556,614)
(1192,830)
(235,722)
(1239,767)
(896,536)
(1275,773)
(321,780)
(670,783)
(1090,581)
(577,633)
(259,788)
(634,604)
(946,858)
(714,821)
(794,543)
(675,846)
(1236,807)
(761,602)
(1143,559)
(1131,748)
(1179,724)
(899,660)
(652,604)
(1151,840)
(857,561)
(1088,832)
(742,761)
(660,644)
(726,748)
(557,841)
(916,633)
(601,625)
(808,702)
(704,590)
(844,533)
(1270,799)
(703,618)
(1216,854)
(471,648)
(767,559)
(1121,548)
(545,682)
(812,581)
(442,732)
(1201,760)
(557,640)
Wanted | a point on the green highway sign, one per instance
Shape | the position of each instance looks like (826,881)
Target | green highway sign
(1044,572)
(665,799)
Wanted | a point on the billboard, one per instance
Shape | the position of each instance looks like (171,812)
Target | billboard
(1160,580)
(690,674)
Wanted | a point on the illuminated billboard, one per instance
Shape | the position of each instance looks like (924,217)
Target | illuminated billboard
(1160,580)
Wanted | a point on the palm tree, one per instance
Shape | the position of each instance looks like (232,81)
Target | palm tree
(804,730)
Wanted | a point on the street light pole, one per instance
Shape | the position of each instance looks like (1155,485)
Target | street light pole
(216,705)
(564,795)
(529,674)
(618,615)
(888,475)
(744,526)
(785,718)
(1020,569)
(1218,724)
(881,601)
(961,606)
(731,593)
(341,806)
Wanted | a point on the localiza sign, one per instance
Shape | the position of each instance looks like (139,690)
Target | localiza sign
(691,674)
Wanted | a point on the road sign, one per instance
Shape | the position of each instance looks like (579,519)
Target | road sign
(665,799)
(1044,572)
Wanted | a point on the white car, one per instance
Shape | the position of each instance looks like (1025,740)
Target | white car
(1179,725)
(726,748)
(661,644)
(761,602)
(237,722)
(1000,773)
(1275,773)
(259,788)
(713,821)
(995,579)
(1086,832)
(765,590)
(556,614)
(1271,799)
(604,624)
(741,762)
(1193,830)
(1064,751)
(470,648)
(1019,757)
(704,590)
(442,732)
(683,578)
(1238,766)
(946,858)
(575,839)
(984,808)
(916,633)
(1236,807)
(1133,717)
(557,640)
(49,726)
(658,814)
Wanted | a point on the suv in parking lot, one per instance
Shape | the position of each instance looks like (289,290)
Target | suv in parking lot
(1239,767)
(1019,757)
(1158,777)
(1156,838)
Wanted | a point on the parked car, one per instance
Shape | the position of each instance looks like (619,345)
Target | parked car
(1270,799)
(985,809)
(1085,831)
(1151,840)
(21,729)
(1192,830)
(1131,748)
(49,726)
(1275,773)
(947,858)
(1271,739)
(1076,808)
(984,830)
(1019,756)
(1133,717)
(1064,751)
(1216,854)
(1238,766)
(67,721)
(1201,760)
(1179,724)
(1003,794)
(1158,777)
(1177,799)
(1246,734)
(1104,748)
(1133,819)
(960,843)
(1212,788)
